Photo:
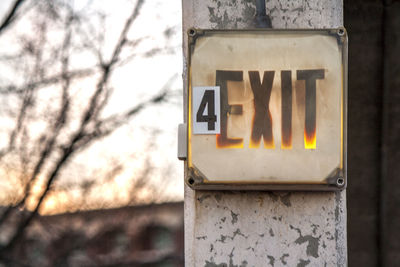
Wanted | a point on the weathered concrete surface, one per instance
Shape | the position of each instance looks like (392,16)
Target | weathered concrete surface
(305,14)
(267,229)
(263,228)
(225,14)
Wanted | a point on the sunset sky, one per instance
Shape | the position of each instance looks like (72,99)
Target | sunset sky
(149,136)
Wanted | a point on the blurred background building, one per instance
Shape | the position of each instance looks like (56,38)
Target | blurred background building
(148,235)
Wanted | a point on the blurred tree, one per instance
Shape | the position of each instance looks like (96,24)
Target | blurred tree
(55,89)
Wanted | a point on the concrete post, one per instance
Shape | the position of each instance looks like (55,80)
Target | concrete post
(263,228)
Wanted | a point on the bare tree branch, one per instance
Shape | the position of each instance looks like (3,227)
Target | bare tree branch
(75,74)
(10,17)
(82,137)
(53,134)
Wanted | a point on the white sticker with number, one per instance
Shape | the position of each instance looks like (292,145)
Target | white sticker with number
(206,114)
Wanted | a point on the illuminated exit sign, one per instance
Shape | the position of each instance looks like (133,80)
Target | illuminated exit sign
(267,109)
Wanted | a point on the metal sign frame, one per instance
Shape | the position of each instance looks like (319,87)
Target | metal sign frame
(337,180)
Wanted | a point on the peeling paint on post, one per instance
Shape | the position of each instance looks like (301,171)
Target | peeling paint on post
(263,228)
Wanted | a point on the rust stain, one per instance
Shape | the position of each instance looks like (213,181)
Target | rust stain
(260,200)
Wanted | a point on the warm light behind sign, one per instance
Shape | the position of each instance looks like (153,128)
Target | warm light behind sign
(266,109)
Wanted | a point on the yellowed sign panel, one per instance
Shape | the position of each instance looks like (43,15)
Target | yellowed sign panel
(280,109)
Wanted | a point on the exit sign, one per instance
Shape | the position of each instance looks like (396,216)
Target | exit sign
(267,109)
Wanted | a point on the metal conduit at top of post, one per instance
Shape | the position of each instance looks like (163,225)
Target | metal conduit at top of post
(255,228)
(262,20)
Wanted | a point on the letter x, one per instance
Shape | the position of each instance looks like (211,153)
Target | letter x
(262,120)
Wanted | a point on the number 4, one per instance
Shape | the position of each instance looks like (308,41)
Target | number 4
(206,111)
(209,101)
